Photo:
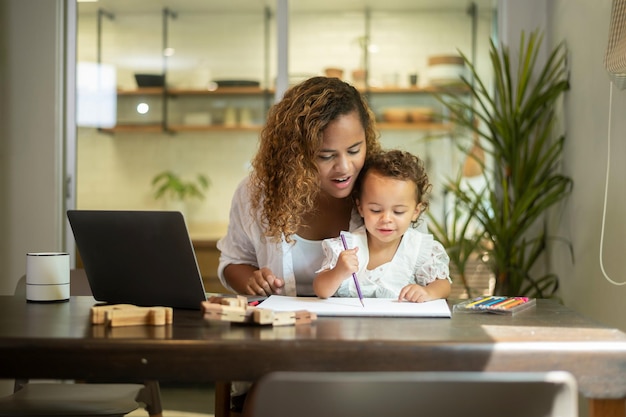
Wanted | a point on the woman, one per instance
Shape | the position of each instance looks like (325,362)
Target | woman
(311,151)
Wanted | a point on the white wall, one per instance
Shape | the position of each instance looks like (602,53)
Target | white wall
(31,139)
(31,132)
(587,110)
(583,26)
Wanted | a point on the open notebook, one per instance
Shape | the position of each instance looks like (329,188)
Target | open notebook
(374,307)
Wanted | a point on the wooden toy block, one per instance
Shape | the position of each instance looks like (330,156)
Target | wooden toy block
(222,312)
(238,301)
(98,313)
(236,309)
(130,315)
(153,316)
(262,316)
(284,318)
(304,317)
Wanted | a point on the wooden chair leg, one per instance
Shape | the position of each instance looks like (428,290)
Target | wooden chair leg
(607,408)
(222,399)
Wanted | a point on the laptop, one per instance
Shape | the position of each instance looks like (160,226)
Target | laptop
(144,258)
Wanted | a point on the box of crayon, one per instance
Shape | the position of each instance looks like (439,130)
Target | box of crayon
(494,304)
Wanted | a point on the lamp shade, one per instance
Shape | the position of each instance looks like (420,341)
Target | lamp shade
(615,58)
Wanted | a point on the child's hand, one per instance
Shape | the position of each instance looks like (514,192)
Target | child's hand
(415,294)
(347,262)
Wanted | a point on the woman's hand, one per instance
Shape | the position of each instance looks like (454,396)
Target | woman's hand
(248,280)
(264,282)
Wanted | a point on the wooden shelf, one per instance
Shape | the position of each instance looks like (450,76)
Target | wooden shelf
(452,89)
(260,92)
(152,91)
(455,89)
(145,91)
(445,127)
(155,128)
(179,128)
(214,128)
(219,91)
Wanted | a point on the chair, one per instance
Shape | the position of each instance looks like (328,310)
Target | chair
(222,400)
(402,394)
(43,399)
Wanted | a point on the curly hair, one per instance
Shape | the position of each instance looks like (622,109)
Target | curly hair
(284,180)
(400,165)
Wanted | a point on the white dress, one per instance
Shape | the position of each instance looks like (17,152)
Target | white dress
(420,259)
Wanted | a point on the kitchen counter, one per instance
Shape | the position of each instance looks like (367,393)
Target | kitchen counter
(204,237)
(207,233)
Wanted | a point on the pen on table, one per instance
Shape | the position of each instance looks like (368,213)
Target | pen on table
(356,280)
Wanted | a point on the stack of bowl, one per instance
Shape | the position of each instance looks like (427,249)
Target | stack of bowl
(445,70)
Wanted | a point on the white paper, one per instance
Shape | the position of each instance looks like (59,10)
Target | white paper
(375,307)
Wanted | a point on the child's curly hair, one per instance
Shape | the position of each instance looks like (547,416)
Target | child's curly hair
(284,180)
(400,165)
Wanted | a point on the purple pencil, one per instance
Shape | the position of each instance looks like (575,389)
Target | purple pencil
(356,280)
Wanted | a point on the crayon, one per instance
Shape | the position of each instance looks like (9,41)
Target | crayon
(489,301)
(478,300)
(513,304)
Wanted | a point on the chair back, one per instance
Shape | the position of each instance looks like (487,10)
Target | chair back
(403,394)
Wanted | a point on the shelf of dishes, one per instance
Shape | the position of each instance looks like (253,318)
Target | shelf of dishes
(152,91)
(389,118)
(159,128)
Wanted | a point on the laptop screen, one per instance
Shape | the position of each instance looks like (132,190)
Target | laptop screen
(145,258)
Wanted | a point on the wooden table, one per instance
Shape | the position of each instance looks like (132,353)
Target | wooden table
(58,341)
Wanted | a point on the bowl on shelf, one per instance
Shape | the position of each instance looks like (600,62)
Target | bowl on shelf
(396,115)
(445,70)
(149,80)
(333,72)
(421,114)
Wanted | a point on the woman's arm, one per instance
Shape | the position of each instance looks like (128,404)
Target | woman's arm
(247,279)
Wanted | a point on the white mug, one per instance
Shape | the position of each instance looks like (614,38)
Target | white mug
(47,276)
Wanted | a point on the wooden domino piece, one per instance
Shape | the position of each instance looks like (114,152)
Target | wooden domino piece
(98,313)
(130,315)
(262,316)
(238,301)
(304,317)
(213,311)
(284,318)
(153,316)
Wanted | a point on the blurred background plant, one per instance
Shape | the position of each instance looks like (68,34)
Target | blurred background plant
(169,185)
(520,167)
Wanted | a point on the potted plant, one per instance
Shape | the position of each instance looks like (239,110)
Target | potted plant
(174,190)
(516,125)
(462,238)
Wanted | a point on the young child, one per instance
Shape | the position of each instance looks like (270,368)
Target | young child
(391,258)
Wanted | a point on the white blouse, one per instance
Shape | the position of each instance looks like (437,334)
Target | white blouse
(420,259)
(246,243)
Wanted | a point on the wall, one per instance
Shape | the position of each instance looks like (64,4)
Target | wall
(31,132)
(114,171)
(587,112)
(31,84)
(585,119)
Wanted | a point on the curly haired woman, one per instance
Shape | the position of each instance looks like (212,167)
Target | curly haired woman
(311,151)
